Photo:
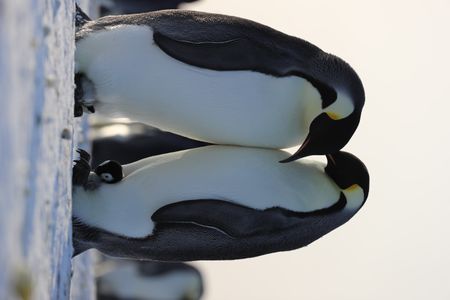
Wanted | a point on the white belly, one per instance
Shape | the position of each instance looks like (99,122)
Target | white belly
(247,176)
(135,79)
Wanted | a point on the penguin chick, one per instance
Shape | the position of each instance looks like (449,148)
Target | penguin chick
(109,171)
(220,79)
(218,202)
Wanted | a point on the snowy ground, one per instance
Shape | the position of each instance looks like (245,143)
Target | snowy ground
(37,137)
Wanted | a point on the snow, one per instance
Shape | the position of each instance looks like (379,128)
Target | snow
(37,137)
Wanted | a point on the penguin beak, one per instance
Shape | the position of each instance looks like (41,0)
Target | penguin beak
(326,135)
(317,140)
(301,152)
(330,160)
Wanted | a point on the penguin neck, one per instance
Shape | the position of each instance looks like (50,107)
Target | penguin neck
(313,107)
(341,108)
(355,198)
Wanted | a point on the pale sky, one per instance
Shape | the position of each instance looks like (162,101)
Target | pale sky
(398,245)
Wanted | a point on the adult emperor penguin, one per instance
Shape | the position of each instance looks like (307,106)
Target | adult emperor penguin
(219,79)
(129,142)
(142,280)
(218,202)
(119,7)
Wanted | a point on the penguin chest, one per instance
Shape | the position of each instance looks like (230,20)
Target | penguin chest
(134,78)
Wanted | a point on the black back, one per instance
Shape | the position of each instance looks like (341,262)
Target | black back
(263,232)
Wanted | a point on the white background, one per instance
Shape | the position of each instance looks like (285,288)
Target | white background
(397,246)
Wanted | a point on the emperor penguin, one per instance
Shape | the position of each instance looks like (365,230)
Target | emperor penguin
(129,142)
(119,7)
(148,280)
(217,203)
(218,79)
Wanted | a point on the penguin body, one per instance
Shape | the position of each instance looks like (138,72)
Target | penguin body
(236,107)
(200,203)
(220,79)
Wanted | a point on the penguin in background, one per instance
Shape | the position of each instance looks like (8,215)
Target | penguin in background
(217,203)
(129,142)
(148,280)
(218,79)
(120,7)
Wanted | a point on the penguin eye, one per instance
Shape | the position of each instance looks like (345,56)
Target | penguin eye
(107,177)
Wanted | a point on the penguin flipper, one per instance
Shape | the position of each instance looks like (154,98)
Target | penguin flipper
(244,54)
(232,219)
(233,54)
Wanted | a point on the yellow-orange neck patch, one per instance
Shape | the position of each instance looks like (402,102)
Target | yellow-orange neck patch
(333,116)
(352,188)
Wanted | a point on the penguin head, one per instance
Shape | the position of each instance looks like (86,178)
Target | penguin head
(327,134)
(349,173)
(342,95)
(109,171)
